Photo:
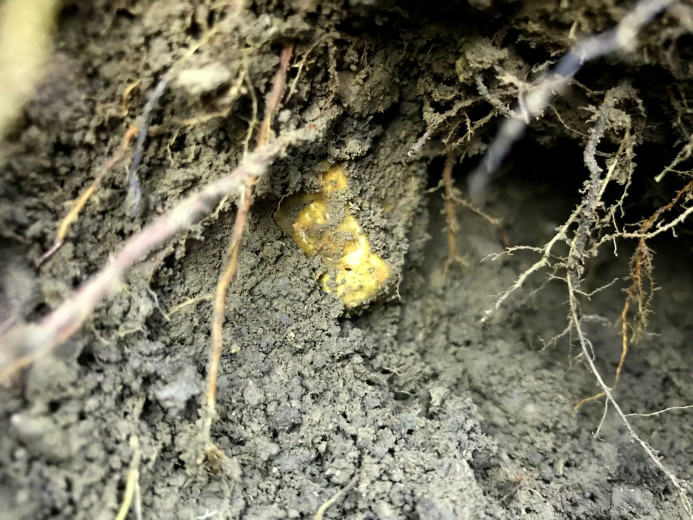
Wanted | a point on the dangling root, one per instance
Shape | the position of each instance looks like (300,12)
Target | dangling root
(450,216)
(680,485)
(641,290)
(555,81)
(624,352)
(452,198)
(583,234)
(234,248)
(132,486)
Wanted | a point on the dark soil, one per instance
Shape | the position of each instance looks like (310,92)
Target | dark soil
(435,415)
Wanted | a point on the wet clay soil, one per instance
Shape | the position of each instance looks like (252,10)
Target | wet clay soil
(413,403)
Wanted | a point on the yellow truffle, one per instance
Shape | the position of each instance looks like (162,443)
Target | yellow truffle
(322,224)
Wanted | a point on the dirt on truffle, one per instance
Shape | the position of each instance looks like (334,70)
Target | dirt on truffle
(413,403)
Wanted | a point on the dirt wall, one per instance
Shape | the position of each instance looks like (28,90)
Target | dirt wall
(409,402)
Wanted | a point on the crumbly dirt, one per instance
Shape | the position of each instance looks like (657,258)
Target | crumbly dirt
(427,412)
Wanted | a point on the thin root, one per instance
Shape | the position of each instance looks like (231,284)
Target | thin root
(624,353)
(337,496)
(132,486)
(680,485)
(234,248)
(302,64)
(73,214)
(454,258)
(187,303)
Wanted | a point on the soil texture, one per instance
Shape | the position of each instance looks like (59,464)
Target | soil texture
(410,404)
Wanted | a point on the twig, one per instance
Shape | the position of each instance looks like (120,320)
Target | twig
(72,215)
(24,344)
(554,82)
(236,239)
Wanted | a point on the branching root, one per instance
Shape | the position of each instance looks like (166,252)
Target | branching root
(25,343)
(594,223)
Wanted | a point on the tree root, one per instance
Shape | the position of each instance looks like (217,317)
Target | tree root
(680,485)
(544,90)
(588,223)
(23,344)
